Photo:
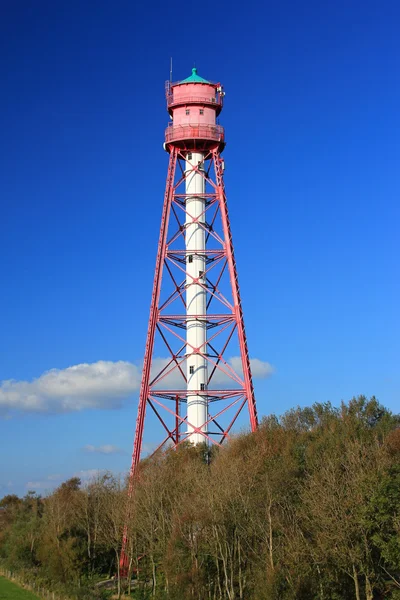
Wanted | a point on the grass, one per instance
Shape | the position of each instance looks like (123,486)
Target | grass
(11,591)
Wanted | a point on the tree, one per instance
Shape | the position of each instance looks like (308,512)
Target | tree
(111,523)
(60,549)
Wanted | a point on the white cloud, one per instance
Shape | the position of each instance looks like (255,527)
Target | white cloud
(48,483)
(54,477)
(98,385)
(53,481)
(37,485)
(259,368)
(105,449)
(88,474)
(103,385)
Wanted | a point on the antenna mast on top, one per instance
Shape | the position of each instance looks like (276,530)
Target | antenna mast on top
(170,72)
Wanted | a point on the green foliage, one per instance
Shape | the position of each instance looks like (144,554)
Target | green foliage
(382,516)
(306,508)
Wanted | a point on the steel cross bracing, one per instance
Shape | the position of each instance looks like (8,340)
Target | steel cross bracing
(164,390)
(164,385)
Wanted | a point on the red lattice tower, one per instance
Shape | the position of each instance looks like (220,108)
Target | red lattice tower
(196,316)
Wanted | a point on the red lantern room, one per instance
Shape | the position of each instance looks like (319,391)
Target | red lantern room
(194,105)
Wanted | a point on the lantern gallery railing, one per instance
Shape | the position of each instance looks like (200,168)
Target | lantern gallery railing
(194,131)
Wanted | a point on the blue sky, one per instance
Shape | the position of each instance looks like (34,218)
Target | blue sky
(312,123)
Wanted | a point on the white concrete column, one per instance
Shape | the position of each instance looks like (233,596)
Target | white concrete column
(196,297)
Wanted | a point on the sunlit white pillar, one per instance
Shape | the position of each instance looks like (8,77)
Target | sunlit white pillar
(196,298)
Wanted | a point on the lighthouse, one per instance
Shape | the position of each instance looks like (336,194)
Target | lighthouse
(203,382)
(196,378)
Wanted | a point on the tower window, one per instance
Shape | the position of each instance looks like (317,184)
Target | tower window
(191,369)
(188,111)
(201,273)
(190,258)
(202,387)
(201,111)
(189,156)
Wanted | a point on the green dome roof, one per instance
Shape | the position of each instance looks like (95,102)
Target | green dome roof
(194,78)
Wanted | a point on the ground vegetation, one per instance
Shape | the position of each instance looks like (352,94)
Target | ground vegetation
(306,508)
